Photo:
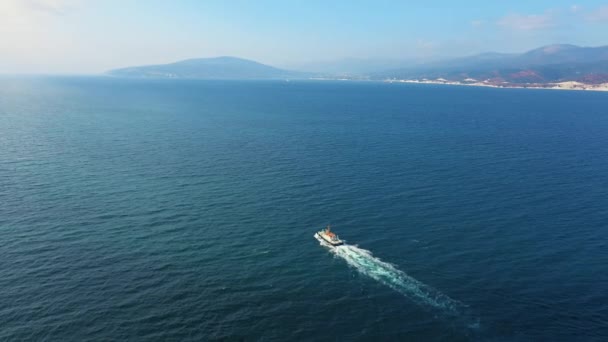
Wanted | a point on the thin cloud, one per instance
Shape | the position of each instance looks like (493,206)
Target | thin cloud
(28,8)
(575,8)
(477,23)
(598,15)
(527,22)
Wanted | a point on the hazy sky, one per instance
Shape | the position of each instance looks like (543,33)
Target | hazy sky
(90,36)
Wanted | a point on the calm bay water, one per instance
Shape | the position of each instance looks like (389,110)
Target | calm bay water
(185,210)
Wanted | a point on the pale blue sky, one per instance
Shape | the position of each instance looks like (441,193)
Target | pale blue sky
(90,36)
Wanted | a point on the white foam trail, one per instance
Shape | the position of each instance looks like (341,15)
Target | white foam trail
(363,261)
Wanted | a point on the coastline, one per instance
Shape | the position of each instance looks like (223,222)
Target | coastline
(567,85)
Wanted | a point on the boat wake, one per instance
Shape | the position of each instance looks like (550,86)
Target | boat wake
(423,295)
(364,262)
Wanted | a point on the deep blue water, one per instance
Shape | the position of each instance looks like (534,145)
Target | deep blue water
(185,211)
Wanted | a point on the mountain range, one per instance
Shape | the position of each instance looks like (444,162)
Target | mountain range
(548,64)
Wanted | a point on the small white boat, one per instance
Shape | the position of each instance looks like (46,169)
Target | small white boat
(327,236)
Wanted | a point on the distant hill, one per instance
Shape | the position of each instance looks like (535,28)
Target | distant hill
(553,63)
(209,68)
(548,64)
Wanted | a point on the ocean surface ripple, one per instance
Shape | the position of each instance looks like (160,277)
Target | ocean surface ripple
(182,210)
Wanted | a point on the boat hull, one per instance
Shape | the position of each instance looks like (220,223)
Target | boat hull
(329,242)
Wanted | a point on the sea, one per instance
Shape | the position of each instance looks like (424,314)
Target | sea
(184,210)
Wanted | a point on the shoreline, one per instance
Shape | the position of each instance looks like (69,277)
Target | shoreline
(567,85)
